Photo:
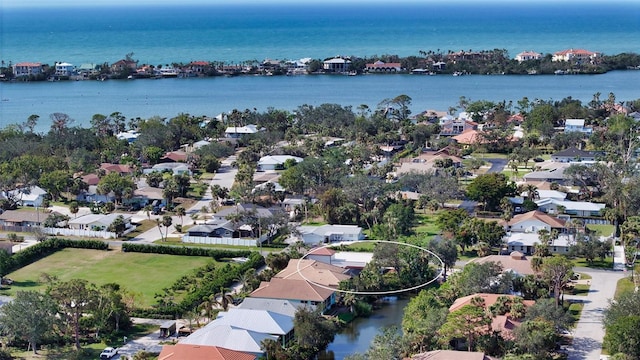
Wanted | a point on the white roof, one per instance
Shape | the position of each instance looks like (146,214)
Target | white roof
(228,337)
(529,239)
(337,61)
(324,230)
(31,194)
(277,159)
(548,194)
(105,219)
(573,205)
(262,321)
(131,134)
(248,129)
(574,122)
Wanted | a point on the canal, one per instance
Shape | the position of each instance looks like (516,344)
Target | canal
(357,336)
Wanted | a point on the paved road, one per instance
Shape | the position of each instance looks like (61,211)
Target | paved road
(589,332)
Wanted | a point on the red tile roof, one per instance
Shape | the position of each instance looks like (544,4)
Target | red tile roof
(192,352)
(29,64)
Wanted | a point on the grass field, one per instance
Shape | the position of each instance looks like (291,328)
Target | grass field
(602,230)
(426,225)
(144,274)
(624,285)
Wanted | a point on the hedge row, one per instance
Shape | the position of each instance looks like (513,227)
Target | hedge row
(45,248)
(217,254)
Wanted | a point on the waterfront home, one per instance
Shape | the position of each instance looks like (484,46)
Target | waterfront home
(260,321)
(275,162)
(88,69)
(382,67)
(575,55)
(190,352)
(528,55)
(525,243)
(27,69)
(504,324)
(516,262)
(97,222)
(236,132)
(229,337)
(32,196)
(337,65)
(577,125)
(574,154)
(532,222)
(64,69)
(314,271)
(324,234)
(198,67)
(345,259)
(297,292)
(124,64)
(278,306)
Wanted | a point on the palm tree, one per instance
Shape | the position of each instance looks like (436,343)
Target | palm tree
(536,264)
(180,212)
(148,208)
(207,305)
(224,299)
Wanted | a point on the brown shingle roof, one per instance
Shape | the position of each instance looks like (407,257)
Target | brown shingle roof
(290,289)
(314,271)
(191,352)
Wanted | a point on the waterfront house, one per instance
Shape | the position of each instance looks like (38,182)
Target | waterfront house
(525,243)
(575,55)
(124,64)
(278,306)
(532,222)
(344,259)
(382,67)
(577,125)
(275,162)
(64,69)
(198,67)
(229,337)
(314,271)
(27,69)
(190,352)
(574,154)
(337,65)
(297,292)
(528,55)
(329,233)
(88,69)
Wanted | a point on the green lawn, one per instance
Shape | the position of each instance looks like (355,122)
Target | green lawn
(602,230)
(144,274)
(596,264)
(575,310)
(624,285)
(426,225)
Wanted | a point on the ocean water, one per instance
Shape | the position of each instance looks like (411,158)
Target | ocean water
(236,33)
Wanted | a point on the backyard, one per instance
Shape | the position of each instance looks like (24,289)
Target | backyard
(143,274)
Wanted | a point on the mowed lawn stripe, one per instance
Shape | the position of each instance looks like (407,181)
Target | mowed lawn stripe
(144,274)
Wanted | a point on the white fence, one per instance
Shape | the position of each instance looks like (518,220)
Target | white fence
(219,241)
(82,233)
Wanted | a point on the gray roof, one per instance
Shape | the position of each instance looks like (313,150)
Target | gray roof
(573,152)
(228,337)
(105,219)
(284,307)
(325,230)
(262,321)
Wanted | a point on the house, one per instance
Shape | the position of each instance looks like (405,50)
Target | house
(199,67)
(337,65)
(275,162)
(229,337)
(429,161)
(223,229)
(525,243)
(552,175)
(451,126)
(503,324)
(259,211)
(298,292)
(130,136)
(148,195)
(329,233)
(316,272)
(97,222)
(547,194)
(468,137)
(344,259)
(450,355)
(177,168)
(575,208)
(382,67)
(516,262)
(23,218)
(236,132)
(574,154)
(528,55)
(121,169)
(88,69)
(577,125)
(278,306)
(260,321)
(27,69)
(175,156)
(91,193)
(534,221)
(575,55)
(64,69)
(124,64)
(189,352)
(33,196)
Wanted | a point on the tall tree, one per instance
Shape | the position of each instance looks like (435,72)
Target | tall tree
(469,323)
(75,298)
(30,316)
(490,189)
(557,271)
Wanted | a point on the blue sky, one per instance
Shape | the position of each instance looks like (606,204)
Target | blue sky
(72,3)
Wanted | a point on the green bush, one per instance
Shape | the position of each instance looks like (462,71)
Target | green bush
(217,254)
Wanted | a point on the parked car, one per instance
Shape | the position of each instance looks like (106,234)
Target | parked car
(108,353)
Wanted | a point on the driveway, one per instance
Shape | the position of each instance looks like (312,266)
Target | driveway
(589,332)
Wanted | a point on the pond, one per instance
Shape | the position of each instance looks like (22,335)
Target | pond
(356,336)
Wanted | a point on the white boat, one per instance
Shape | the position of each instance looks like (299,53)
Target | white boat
(458,73)
(168,72)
